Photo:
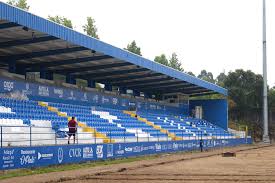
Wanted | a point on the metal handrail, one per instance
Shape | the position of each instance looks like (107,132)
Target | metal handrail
(30,136)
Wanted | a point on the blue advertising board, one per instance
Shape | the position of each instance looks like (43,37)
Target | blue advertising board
(26,157)
(56,94)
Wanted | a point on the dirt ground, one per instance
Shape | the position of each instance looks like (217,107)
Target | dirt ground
(252,164)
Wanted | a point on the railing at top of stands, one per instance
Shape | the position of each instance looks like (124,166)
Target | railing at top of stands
(35,136)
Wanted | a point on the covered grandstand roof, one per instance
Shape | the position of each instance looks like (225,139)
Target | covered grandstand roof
(36,44)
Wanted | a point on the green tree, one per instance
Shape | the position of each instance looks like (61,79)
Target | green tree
(90,28)
(191,73)
(207,76)
(271,98)
(132,47)
(220,79)
(20,4)
(175,63)
(61,20)
(245,91)
(162,60)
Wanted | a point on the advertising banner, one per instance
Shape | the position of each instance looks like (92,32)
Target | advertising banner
(45,92)
(26,157)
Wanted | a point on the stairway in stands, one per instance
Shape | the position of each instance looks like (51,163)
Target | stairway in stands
(157,127)
(85,127)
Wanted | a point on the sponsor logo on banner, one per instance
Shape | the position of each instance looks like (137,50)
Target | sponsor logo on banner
(120,150)
(44,156)
(164,147)
(137,149)
(8,158)
(43,91)
(95,99)
(110,150)
(128,149)
(175,146)
(88,152)
(75,153)
(85,98)
(105,100)
(138,105)
(123,104)
(132,104)
(28,157)
(115,101)
(8,85)
(58,92)
(158,147)
(146,148)
(72,97)
(27,90)
(60,155)
(99,151)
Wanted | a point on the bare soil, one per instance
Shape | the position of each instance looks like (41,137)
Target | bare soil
(251,164)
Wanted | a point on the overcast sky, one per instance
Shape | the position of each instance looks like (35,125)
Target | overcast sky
(216,35)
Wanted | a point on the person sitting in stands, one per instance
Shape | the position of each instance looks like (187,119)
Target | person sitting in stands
(72,125)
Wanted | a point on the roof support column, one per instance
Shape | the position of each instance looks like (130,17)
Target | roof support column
(91,83)
(70,79)
(108,87)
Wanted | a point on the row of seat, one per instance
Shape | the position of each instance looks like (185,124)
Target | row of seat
(112,122)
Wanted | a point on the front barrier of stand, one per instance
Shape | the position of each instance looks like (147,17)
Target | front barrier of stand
(27,157)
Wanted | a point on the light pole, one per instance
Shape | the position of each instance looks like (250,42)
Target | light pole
(265,107)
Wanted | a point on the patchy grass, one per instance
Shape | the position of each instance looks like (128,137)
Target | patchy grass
(59,168)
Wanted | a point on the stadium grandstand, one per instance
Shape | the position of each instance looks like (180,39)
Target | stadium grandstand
(141,101)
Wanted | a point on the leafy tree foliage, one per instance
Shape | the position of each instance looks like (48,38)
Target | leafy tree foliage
(20,4)
(191,73)
(220,79)
(172,62)
(61,20)
(245,89)
(207,76)
(271,98)
(175,63)
(132,47)
(90,28)
(162,59)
